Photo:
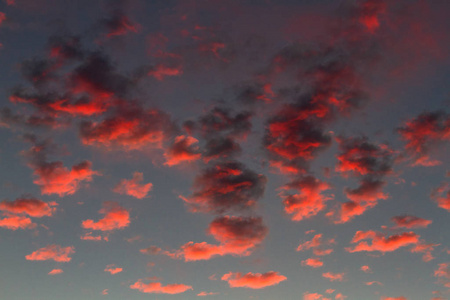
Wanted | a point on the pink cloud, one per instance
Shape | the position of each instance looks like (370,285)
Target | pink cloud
(382,243)
(334,276)
(314,296)
(366,269)
(373,283)
(116,217)
(55,272)
(30,206)
(409,222)
(253,280)
(312,262)
(202,294)
(316,244)
(393,298)
(158,288)
(183,149)
(113,269)
(133,187)
(16,222)
(442,196)
(52,252)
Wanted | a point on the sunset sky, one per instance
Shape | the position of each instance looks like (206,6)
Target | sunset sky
(224,149)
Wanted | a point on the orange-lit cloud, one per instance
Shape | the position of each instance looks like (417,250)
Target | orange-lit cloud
(113,269)
(314,296)
(373,283)
(409,222)
(312,262)
(334,276)
(55,272)
(316,244)
(134,186)
(116,217)
(393,298)
(158,288)
(443,274)
(382,243)
(309,200)
(253,280)
(183,149)
(202,294)
(442,196)
(30,206)
(14,222)
(366,269)
(423,133)
(52,252)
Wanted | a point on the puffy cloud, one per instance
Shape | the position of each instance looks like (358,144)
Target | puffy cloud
(14,222)
(334,276)
(253,280)
(309,200)
(423,133)
(312,262)
(29,206)
(382,243)
(116,217)
(113,269)
(158,288)
(55,272)
(407,221)
(183,149)
(237,236)
(133,187)
(228,186)
(54,178)
(132,128)
(52,252)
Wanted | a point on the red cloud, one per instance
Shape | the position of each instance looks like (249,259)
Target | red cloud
(334,276)
(133,128)
(119,24)
(113,269)
(160,71)
(410,222)
(316,244)
(421,247)
(369,13)
(309,201)
(133,187)
(312,262)
(443,273)
(2,17)
(253,281)
(30,206)
(89,237)
(382,243)
(55,272)
(442,196)
(182,150)
(158,288)
(227,186)
(54,178)
(237,235)
(52,252)
(393,298)
(314,296)
(423,133)
(116,217)
(15,222)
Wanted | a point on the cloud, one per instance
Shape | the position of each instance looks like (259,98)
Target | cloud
(158,288)
(119,24)
(55,272)
(160,71)
(407,221)
(29,206)
(316,244)
(16,222)
(309,200)
(366,269)
(52,252)
(113,269)
(253,280)
(334,276)
(116,217)
(133,187)
(201,294)
(442,196)
(382,243)
(393,298)
(373,282)
(314,296)
(89,237)
(443,274)
(423,133)
(312,262)
(228,186)
(183,149)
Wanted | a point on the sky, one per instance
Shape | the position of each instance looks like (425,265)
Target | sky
(224,149)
